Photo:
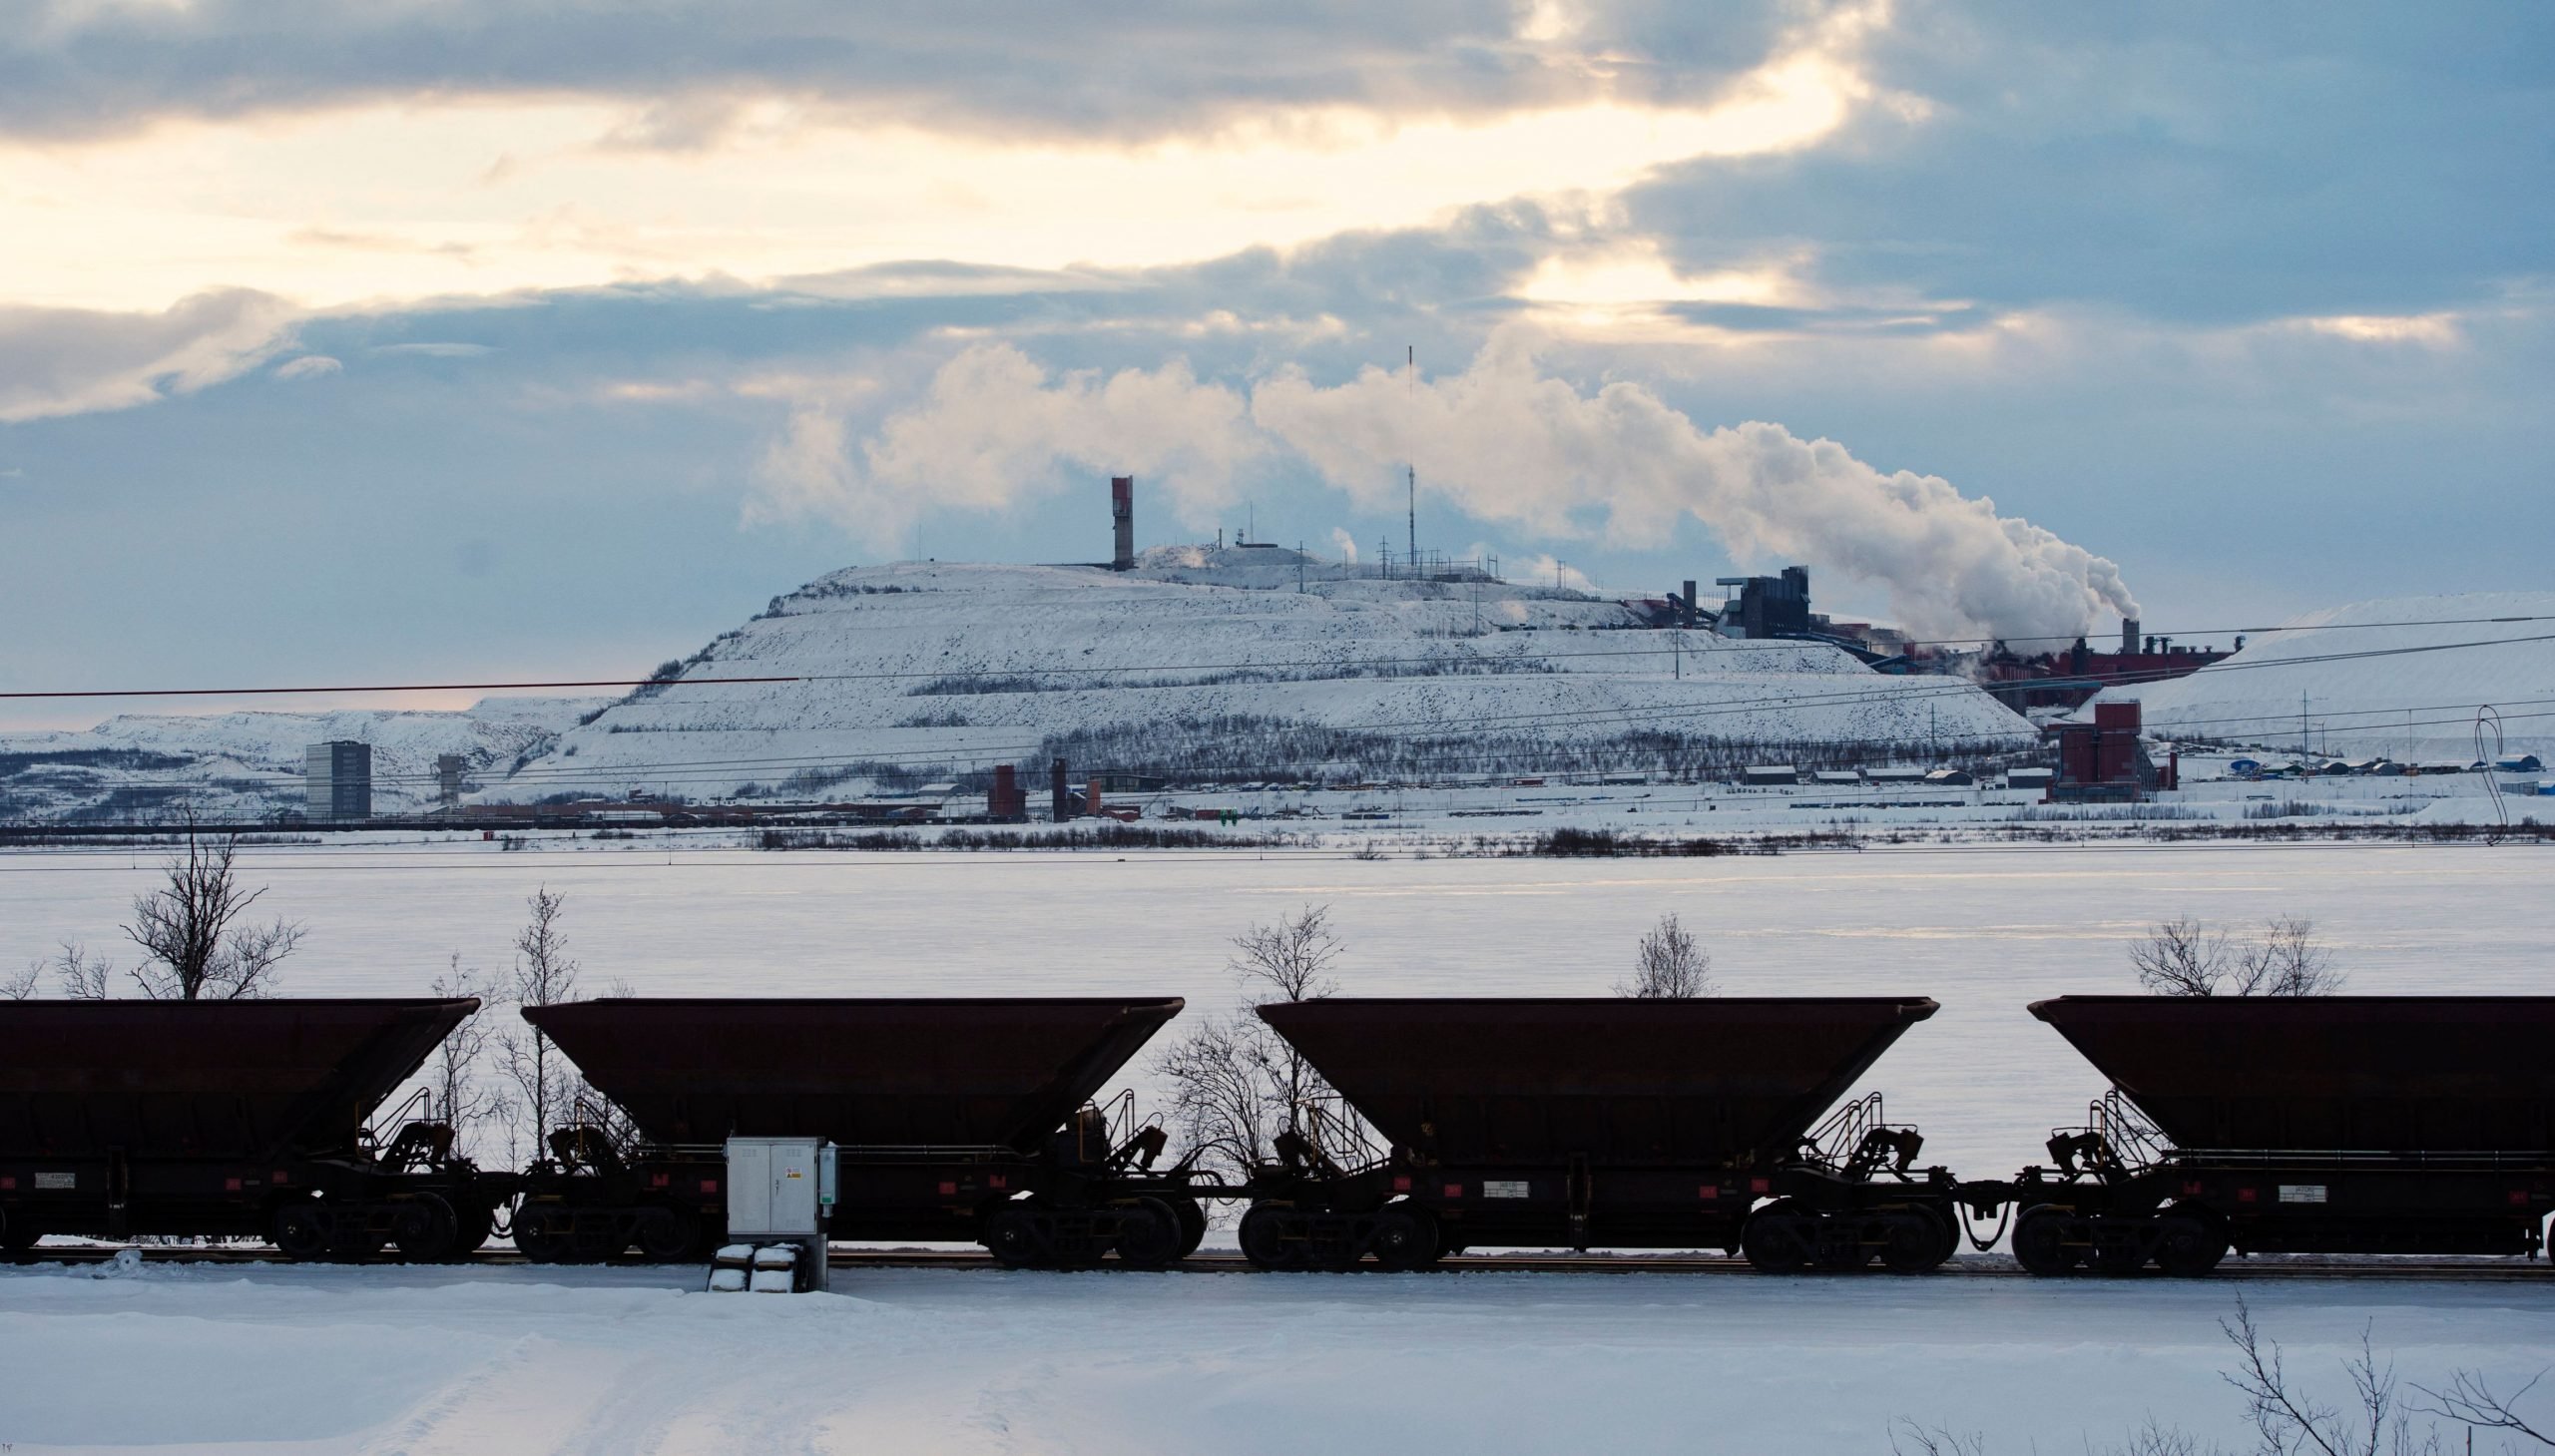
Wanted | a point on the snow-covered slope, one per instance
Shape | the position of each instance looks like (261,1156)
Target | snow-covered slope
(944,665)
(2356,676)
(246,765)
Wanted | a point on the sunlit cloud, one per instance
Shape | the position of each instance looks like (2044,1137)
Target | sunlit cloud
(2434,331)
(475,196)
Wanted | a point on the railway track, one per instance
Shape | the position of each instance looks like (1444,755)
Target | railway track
(1993,1266)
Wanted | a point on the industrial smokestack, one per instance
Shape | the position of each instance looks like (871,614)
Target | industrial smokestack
(1056,793)
(2129,637)
(1685,617)
(1122,512)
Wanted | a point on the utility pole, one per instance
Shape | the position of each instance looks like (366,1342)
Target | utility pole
(2301,724)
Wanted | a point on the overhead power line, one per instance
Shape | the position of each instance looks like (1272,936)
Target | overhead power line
(959,674)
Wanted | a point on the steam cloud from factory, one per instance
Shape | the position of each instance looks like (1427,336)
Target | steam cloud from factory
(1504,441)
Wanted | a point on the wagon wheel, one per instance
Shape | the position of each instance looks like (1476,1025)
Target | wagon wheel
(2040,1242)
(545,1234)
(301,1232)
(2187,1248)
(1013,1238)
(1148,1234)
(1404,1239)
(1776,1239)
(425,1228)
(1263,1240)
(1192,1224)
(666,1236)
(1913,1241)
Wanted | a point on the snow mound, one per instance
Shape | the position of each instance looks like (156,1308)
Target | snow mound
(949,667)
(2396,677)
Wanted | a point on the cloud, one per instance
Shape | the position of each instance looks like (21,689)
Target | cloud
(309,366)
(57,362)
(1345,543)
(1136,73)
(1504,441)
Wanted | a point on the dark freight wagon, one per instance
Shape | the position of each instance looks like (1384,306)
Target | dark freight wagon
(2313,1125)
(1599,1123)
(231,1118)
(953,1120)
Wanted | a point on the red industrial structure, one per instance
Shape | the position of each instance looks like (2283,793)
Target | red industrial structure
(2103,761)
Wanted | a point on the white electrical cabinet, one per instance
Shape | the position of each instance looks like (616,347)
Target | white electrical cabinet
(782,1189)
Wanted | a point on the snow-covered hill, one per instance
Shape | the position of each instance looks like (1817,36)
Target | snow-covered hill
(249,766)
(941,667)
(2357,678)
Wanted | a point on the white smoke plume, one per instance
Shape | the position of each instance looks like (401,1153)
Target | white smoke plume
(1344,543)
(1504,441)
(995,430)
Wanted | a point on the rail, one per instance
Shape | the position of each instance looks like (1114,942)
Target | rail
(421,1103)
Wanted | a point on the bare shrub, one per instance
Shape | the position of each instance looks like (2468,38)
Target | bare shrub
(1234,1085)
(2185,957)
(1670,965)
(21,985)
(190,931)
(81,976)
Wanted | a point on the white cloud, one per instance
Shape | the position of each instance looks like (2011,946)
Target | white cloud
(309,366)
(56,361)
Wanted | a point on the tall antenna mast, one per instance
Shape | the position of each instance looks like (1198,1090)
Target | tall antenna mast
(1410,361)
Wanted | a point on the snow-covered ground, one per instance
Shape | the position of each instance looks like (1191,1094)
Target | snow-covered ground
(2310,683)
(484,1361)
(327,1362)
(247,766)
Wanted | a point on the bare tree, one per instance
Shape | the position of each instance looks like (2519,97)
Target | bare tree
(452,1074)
(2286,961)
(1234,1084)
(2185,957)
(1670,965)
(22,984)
(2181,957)
(543,976)
(190,931)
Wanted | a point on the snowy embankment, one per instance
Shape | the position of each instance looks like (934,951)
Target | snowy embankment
(938,665)
(2355,681)
(247,766)
(331,1361)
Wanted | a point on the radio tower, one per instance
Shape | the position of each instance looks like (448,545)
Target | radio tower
(1411,361)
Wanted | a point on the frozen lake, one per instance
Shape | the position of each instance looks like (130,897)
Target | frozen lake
(1983,930)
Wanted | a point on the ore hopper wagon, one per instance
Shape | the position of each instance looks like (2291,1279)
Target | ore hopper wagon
(1598,1122)
(957,1120)
(2325,1125)
(232,1118)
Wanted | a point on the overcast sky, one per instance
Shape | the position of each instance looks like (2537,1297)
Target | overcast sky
(486,338)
